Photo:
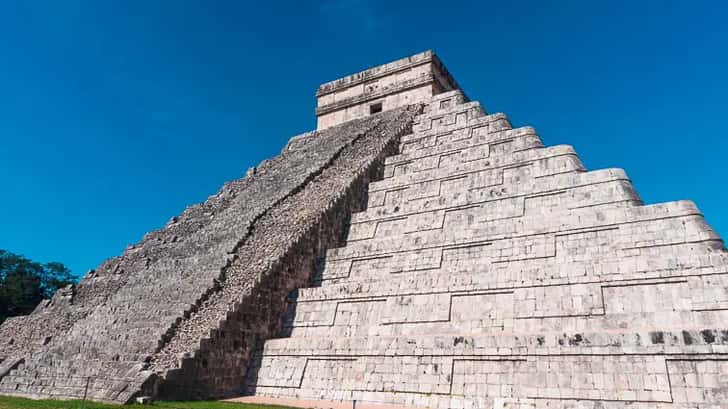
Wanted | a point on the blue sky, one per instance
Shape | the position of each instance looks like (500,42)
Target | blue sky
(116,115)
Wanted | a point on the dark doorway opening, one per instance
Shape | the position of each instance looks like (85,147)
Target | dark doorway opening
(374,108)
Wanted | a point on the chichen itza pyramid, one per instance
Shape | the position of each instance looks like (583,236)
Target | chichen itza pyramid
(414,250)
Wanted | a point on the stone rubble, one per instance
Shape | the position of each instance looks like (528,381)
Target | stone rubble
(133,318)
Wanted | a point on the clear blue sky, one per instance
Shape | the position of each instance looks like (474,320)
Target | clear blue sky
(116,115)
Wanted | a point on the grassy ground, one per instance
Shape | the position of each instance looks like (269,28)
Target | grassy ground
(7,402)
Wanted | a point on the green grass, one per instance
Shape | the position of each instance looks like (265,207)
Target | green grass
(8,402)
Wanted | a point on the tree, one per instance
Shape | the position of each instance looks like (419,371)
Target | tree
(20,292)
(24,283)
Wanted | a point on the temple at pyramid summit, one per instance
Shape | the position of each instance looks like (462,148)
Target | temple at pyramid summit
(413,251)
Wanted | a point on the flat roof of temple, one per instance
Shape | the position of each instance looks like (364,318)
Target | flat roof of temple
(383,70)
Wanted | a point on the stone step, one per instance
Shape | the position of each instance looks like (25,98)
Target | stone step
(443,102)
(536,163)
(453,116)
(634,242)
(473,156)
(626,367)
(436,111)
(480,125)
(684,213)
(698,269)
(464,149)
(692,339)
(530,252)
(496,213)
(555,196)
(68,387)
(577,307)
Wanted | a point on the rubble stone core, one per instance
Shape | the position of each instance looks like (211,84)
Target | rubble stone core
(177,315)
(414,251)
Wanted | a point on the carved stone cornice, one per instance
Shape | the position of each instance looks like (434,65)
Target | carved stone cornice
(423,79)
(375,73)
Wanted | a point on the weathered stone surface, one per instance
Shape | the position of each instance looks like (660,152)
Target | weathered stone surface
(174,294)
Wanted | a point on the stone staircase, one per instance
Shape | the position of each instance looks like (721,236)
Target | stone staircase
(489,271)
(201,291)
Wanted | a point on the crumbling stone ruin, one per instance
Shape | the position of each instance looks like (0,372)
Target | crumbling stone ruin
(414,250)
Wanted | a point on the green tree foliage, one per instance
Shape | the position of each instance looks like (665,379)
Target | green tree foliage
(24,283)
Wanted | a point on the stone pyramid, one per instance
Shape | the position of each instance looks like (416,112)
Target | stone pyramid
(490,271)
(414,250)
